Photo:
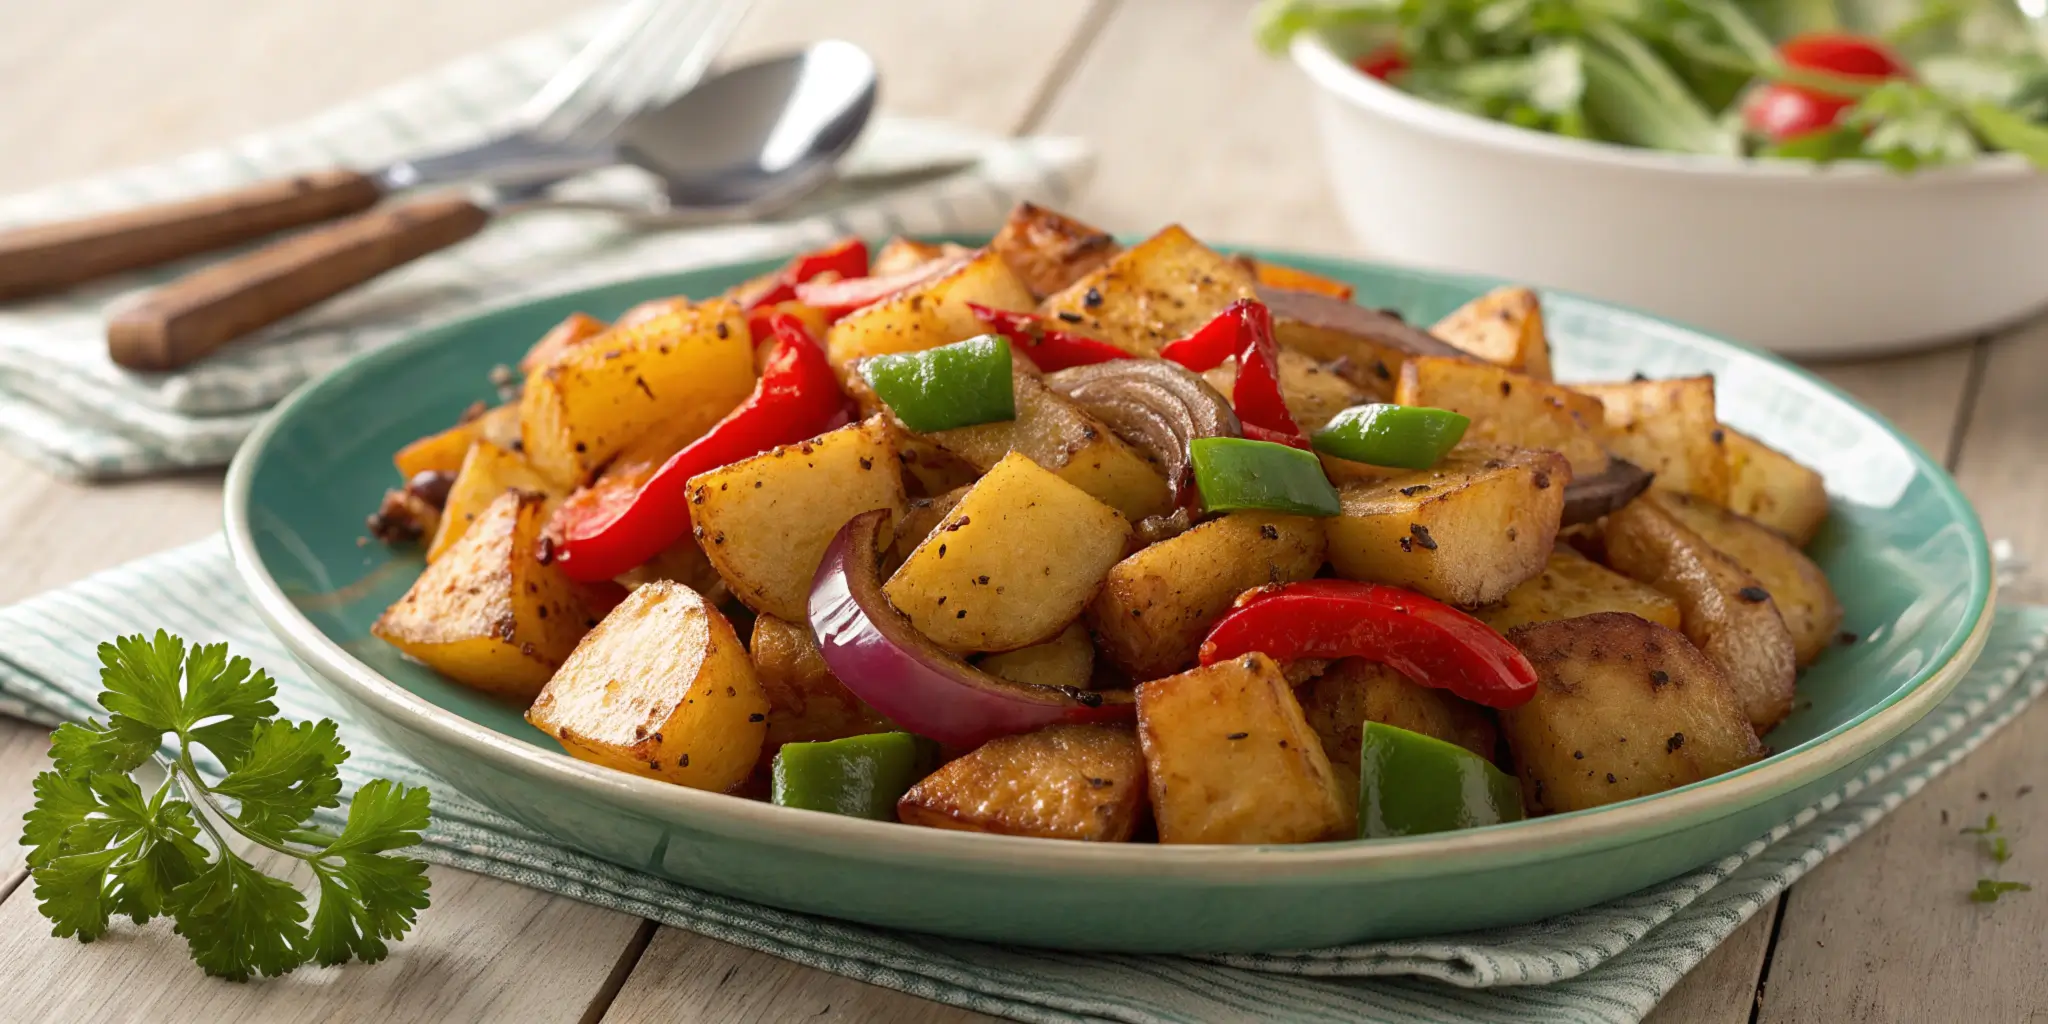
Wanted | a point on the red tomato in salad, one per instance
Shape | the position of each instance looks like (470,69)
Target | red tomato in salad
(1780,111)
(1383,63)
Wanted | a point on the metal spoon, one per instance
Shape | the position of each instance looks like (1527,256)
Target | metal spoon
(744,143)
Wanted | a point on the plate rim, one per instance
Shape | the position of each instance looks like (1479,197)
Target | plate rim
(1533,839)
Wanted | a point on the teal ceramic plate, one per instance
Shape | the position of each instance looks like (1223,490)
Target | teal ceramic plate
(1902,547)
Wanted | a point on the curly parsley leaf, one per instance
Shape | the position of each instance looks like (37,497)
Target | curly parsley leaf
(240,921)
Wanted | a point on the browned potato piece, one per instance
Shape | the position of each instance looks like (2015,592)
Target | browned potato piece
(446,450)
(1623,708)
(1365,346)
(661,688)
(1354,691)
(906,254)
(929,315)
(1668,427)
(574,331)
(1572,585)
(1157,291)
(489,614)
(765,521)
(1503,327)
(929,470)
(1231,759)
(1157,604)
(1313,392)
(1077,447)
(1797,586)
(1050,251)
(806,702)
(682,562)
(1082,782)
(488,471)
(1012,564)
(1768,486)
(1509,408)
(652,309)
(1065,660)
(1723,610)
(1466,532)
(920,517)
(673,376)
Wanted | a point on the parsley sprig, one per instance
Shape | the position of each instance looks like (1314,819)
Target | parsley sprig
(1994,846)
(100,846)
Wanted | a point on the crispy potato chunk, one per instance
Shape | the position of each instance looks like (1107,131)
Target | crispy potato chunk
(1012,564)
(1509,408)
(902,255)
(1354,691)
(1065,660)
(673,376)
(807,491)
(1231,759)
(1466,532)
(1083,782)
(1669,428)
(929,315)
(1623,708)
(1503,327)
(489,614)
(1722,608)
(488,471)
(1050,251)
(806,702)
(574,331)
(1770,487)
(1797,586)
(1075,446)
(1364,346)
(661,688)
(1157,291)
(1314,393)
(920,517)
(653,309)
(1572,585)
(1156,605)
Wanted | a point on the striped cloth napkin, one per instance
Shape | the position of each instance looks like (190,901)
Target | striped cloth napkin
(65,405)
(1608,964)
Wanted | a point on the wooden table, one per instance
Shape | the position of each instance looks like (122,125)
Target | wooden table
(1192,125)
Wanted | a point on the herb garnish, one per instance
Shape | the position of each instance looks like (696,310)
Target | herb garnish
(1993,844)
(100,846)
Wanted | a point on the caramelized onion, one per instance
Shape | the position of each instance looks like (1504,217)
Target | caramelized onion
(1607,491)
(1157,406)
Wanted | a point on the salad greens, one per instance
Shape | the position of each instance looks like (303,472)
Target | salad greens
(1685,75)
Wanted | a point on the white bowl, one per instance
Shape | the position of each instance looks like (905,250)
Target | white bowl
(1827,261)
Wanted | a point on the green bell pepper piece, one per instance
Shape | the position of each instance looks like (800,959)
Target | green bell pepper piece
(1403,436)
(957,385)
(859,776)
(1409,784)
(1235,473)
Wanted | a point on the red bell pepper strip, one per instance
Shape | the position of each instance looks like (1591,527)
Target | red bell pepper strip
(1219,339)
(1049,349)
(838,298)
(1426,640)
(1244,329)
(797,397)
(847,257)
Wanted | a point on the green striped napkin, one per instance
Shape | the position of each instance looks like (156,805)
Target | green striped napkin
(65,405)
(1608,964)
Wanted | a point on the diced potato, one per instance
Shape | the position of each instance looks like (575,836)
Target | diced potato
(765,521)
(1274,275)
(920,517)
(929,315)
(490,614)
(574,331)
(929,470)
(806,702)
(661,688)
(1572,585)
(1668,427)
(1050,251)
(1467,532)
(488,471)
(1083,782)
(444,451)
(1157,291)
(1012,564)
(1065,660)
(682,562)
(906,254)
(1503,327)
(1623,708)
(1313,392)
(1075,446)
(673,376)
(1722,608)
(1364,346)
(652,309)
(1352,691)
(1230,759)
(1156,605)
(1509,408)
(1797,586)
(1768,486)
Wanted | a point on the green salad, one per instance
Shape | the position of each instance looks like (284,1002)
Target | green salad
(1910,83)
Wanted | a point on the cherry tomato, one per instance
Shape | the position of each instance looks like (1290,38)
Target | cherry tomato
(1842,54)
(1780,111)
(1383,63)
